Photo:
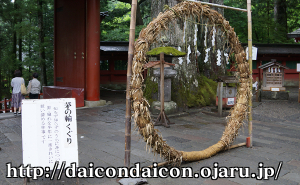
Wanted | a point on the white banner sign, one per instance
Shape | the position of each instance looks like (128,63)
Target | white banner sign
(298,67)
(275,89)
(254,53)
(230,101)
(49,132)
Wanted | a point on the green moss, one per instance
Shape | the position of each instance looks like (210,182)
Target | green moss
(167,50)
(230,85)
(204,95)
(150,88)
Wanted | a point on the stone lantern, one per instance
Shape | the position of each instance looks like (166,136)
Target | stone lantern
(165,75)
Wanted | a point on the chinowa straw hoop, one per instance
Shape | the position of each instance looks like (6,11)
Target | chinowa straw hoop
(141,114)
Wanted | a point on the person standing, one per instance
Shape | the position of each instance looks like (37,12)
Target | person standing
(17,97)
(34,87)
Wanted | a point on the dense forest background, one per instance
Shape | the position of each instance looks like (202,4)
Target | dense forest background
(26,30)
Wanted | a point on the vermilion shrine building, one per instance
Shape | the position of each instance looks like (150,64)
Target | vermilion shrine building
(77,51)
(77,45)
(285,54)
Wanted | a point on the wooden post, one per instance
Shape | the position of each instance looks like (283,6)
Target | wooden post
(162,83)
(256,90)
(299,90)
(162,118)
(129,74)
(250,66)
(5,106)
(220,98)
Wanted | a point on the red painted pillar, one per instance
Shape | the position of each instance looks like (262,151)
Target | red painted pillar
(93,50)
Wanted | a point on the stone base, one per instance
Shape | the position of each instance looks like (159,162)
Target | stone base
(170,107)
(269,95)
(94,103)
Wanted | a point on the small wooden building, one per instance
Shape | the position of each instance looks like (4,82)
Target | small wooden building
(273,76)
(113,62)
(286,54)
(295,34)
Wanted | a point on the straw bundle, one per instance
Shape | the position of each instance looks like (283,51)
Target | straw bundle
(141,114)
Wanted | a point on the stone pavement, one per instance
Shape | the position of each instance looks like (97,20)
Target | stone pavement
(101,140)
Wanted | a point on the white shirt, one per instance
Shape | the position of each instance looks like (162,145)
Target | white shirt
(16,84)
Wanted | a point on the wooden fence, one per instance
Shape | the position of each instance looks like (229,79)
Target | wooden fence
(5,105)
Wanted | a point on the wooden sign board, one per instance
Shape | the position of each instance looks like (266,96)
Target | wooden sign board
(49,132)
(275,89)
(298,70)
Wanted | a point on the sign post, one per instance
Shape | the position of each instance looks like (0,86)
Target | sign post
(49,133)
(298,70)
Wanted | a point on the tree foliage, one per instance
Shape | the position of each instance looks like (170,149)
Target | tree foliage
(26,35)
(115,27)
(269,25)
(19,40)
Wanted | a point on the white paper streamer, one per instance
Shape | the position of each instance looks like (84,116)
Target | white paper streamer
(205,36)
(255,85)
(195,36)
(180,60)
(219,58)
(226,57)
(206,55)
(188,54)
(213,36)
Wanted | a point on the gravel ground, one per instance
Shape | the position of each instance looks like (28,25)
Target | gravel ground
(280,110)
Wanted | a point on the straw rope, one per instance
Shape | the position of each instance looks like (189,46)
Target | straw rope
(141,113)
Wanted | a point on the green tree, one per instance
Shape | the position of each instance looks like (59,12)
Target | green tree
(115,27)
(21,44)
(271,19)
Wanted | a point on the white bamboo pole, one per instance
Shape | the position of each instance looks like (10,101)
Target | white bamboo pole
(250,66)
(221,6)
(129,74)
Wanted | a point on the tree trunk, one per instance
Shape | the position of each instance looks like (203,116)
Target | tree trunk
(14,45)
(187,36)
(280,18)
(14,50)
(139,19)
(41,39)
(20,47)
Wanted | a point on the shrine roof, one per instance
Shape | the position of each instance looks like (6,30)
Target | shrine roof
(294,34)
(276,48)
(114,46)
(269,64)
(227,79)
